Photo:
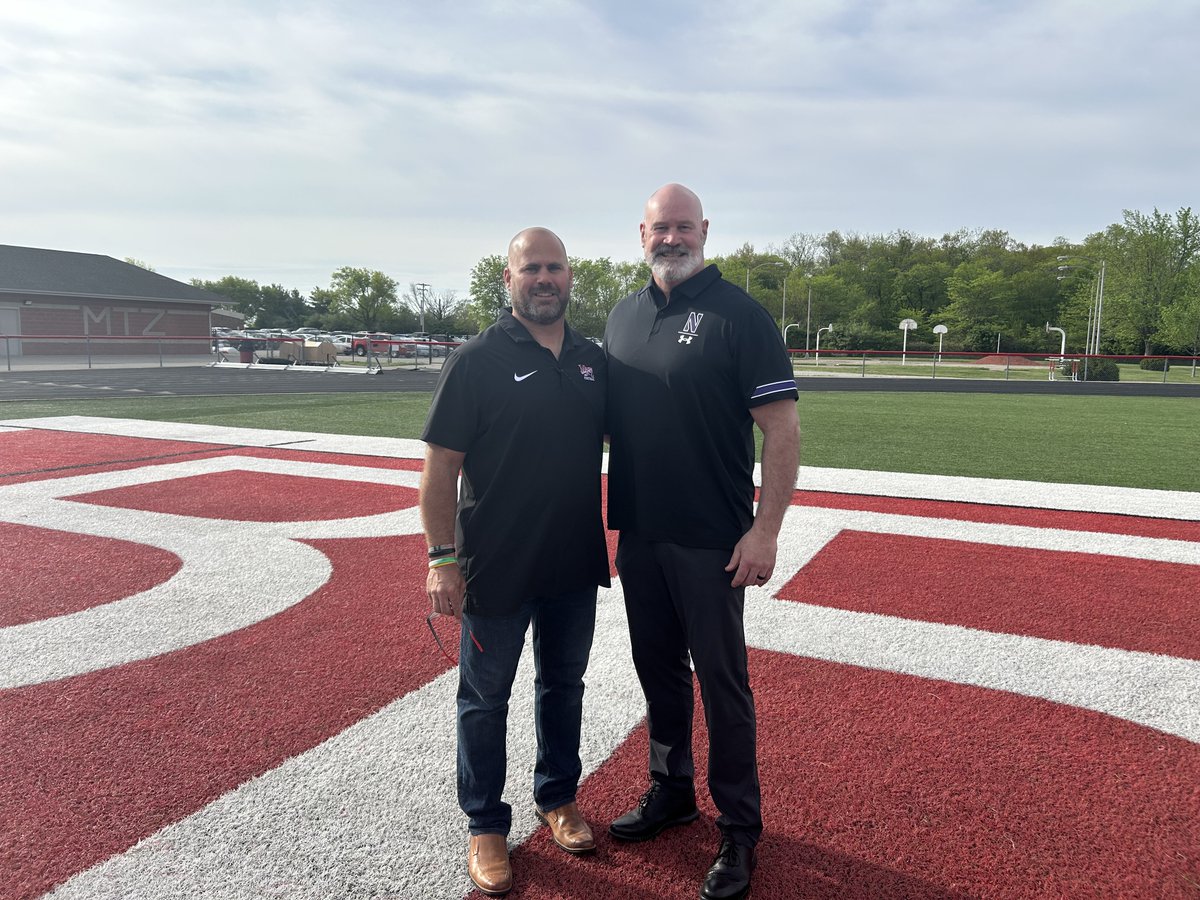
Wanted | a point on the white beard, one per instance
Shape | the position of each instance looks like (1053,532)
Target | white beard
(672,269)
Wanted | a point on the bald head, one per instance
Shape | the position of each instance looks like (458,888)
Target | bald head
(673,234)
(538,277)
(525,237)
(675,197)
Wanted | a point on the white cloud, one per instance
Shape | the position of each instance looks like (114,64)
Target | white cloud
(279,141)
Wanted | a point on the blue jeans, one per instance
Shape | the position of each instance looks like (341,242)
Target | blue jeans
(563,627)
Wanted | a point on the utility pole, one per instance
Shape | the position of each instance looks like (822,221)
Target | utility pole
(421,301)
(808,317)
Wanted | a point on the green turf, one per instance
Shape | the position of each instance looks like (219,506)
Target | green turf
(1128,441)
(391,414)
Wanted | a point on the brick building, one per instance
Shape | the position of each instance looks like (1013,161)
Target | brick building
(57,302)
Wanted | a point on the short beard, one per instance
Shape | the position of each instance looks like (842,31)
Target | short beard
(545,314)
(671,267)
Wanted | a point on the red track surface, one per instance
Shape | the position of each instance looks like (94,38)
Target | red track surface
(33,590)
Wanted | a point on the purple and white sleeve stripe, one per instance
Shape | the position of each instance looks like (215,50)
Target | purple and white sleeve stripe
(774,387)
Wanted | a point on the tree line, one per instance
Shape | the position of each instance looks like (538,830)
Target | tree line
(989,291)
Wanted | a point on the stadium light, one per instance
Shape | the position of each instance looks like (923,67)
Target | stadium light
(770,262)
(1096,307)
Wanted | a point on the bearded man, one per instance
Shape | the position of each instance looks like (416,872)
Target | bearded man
(520,411)
(694,364)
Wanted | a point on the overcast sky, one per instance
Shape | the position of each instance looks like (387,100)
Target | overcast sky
(279,141)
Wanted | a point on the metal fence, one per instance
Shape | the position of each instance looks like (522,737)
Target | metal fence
(64,351)
(1005,366)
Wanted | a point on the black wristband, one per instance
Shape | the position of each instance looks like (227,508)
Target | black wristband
(440,550)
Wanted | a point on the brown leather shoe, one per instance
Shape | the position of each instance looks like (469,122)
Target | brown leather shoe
(568,828)
(487,863)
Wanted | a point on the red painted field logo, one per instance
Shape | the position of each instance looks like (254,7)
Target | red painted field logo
(215,681)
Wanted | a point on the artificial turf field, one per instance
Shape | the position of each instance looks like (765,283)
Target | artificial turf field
(215,682)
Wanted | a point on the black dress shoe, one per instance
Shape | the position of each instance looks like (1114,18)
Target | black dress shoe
(729,877)
(658,809)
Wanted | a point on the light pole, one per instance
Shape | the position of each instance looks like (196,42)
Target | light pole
(808,316)
(783,310)
(771,262)
(1096,307)
(421,301)
(821,331)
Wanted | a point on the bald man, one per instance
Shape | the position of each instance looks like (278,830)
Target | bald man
(519,411)
(694,364)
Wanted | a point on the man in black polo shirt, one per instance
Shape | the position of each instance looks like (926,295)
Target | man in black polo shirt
(694,364)
(520,411)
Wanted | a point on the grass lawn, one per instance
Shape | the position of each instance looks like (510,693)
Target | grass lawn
(1127,441)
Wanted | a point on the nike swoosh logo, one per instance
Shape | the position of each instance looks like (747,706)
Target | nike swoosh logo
(517,377)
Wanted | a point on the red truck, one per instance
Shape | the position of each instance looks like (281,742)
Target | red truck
(376,342)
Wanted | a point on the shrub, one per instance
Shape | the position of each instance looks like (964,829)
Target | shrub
(1101,370)
(1154,364)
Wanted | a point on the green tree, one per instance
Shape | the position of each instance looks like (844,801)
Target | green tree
(367,297)
(981,305)
(489,296)
(1150,256)
(1181,320)
(923,286)
(279,307)
(599,284)
(802,251)
(242,293)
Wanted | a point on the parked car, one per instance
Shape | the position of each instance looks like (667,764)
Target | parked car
(374,342)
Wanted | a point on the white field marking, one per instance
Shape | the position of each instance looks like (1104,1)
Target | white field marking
(805,525)
(312,442)
(375,805)
(1157,504)
(1161,692)
(989,491)
(233,573)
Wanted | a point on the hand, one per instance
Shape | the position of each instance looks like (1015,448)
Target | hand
(753,559)
(446,588)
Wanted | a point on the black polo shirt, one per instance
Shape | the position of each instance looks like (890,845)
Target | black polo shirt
(682,379)
(529,518)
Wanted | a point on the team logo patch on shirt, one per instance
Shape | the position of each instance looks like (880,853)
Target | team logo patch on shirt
(691,327)
(586,372)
